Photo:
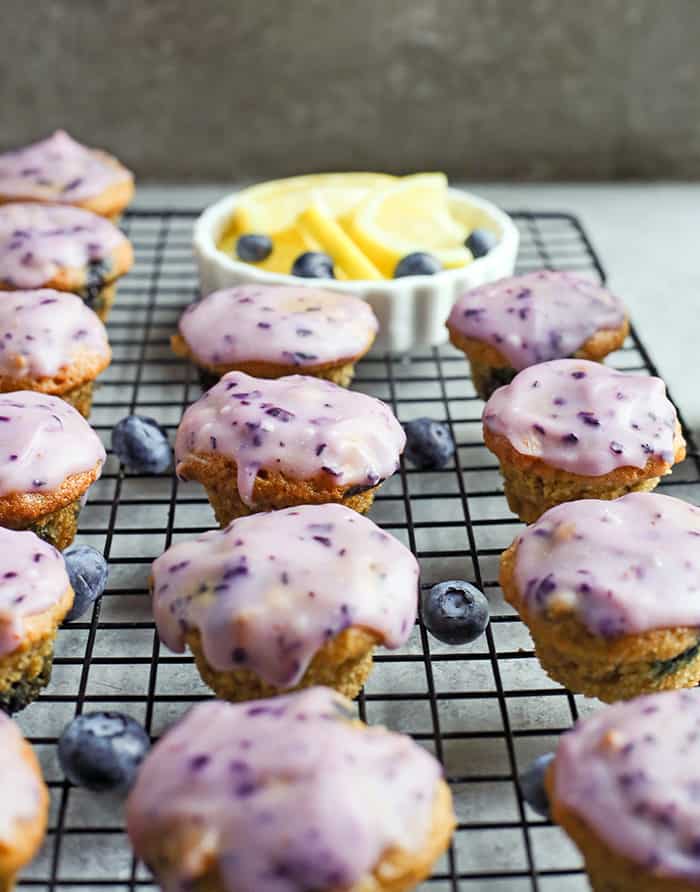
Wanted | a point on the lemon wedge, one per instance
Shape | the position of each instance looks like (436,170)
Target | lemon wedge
(338,244)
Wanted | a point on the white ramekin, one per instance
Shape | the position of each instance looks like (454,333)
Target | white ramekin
(411,310)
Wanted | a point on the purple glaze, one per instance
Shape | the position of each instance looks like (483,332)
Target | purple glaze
(280,425)
(38,240)
(631,772)
(258,612)
(58,169)
(283,325)
(293,795)
(42,441)
(622,566)
(22,785)
(536,317)
(50,330)
(565,397)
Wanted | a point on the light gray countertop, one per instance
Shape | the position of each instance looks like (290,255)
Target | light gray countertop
(647,235)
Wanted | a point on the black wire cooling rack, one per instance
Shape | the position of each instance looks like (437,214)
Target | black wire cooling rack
(485,710)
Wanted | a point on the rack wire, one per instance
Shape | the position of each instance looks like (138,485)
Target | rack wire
(485,710)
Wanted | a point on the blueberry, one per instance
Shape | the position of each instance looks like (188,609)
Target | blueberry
(313,265)
(481,241)
(87,571)
(254,247)
(455,612)
(429,443)
(141,445)
(417,264)
(102,751)
(532,786)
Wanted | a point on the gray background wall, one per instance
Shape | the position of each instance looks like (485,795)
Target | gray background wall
(230,89)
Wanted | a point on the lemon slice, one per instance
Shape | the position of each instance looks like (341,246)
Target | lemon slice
(410,214)
(338,244)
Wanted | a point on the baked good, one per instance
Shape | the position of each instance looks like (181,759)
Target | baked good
(263,609)
(508,325)
(574,429)
(51,342)
(257,444)
(287,794)
(269,331)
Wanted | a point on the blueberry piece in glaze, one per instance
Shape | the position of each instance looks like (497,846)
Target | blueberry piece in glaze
(141,445)
(531,782)
(419,263)
(455,612)
(254,247)
(313,265)
(429,443)
(480,242)
(87,570)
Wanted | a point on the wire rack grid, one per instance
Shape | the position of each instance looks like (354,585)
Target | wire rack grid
(485,710)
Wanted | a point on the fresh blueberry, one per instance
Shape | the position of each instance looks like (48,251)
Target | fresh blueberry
(417,264)
(532,786)
(313,265)
(429,443)
(87,571)
(455,612)
(254,247)
(141,445)
(102,751)
(481,241)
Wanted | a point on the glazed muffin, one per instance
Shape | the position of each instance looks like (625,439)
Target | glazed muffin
(511,324)
(24,816)
(624,785)
(290,793)
(49,457)
(35,596)
(573,429)
(51,342)
(269,331)
(257,445)
(59,170)
(610,591)
(64,248)
(261,606)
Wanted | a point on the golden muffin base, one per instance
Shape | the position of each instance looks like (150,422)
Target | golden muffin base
(532,486)
(272,491)
(491,369)
(343,663)
(610,669)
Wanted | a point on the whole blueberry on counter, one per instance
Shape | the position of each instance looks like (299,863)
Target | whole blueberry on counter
(313,265)
(87,571)
(481,241)
(429,444)
(253,247)
(141,445)
(102,751)
(420,263)
(455,612)
(532,786)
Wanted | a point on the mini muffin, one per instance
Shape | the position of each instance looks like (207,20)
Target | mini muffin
(270,331)
(624,786)
(573,429)
(287,794)
(65,248)
(511,324)
(35,596)
(260,606)
(59,170)
(51,342)
(610,591)
(258,444)
(49,457)
(24,816)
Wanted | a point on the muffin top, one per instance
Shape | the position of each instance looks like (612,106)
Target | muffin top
(281,795)
(622,566)
(58,169)
(631,773)
(265,593)
(538,316)
(583,417)
(39,241)
(42,441)
(25,795)
(293,326)
(44,331)
(32,578)
(300,426)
